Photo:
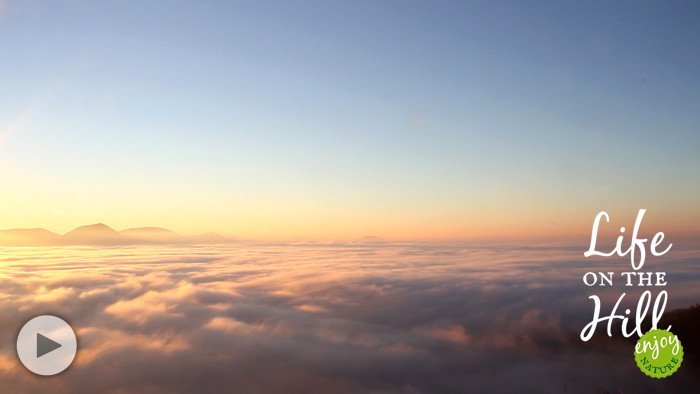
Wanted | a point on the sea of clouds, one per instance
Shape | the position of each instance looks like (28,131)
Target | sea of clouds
(328,318)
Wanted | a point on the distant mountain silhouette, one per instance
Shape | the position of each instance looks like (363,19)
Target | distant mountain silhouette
(102,235)
(151,233)
(29,237)
(370,239)
(208,238)
(97,234)
(157,235)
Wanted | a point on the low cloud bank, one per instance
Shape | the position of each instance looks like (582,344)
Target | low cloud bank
(409,318)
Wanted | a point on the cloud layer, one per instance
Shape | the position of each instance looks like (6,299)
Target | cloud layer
(326,318)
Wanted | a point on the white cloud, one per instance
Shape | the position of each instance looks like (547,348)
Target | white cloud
(315,319)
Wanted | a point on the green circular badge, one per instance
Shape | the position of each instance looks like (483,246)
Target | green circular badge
(658,353)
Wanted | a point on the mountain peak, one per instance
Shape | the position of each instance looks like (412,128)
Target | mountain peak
(100,234)
(95,234)
(93,229)
(156,235)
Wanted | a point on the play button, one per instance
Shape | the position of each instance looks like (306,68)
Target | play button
(46,345)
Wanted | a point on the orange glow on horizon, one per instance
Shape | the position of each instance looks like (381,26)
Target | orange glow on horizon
(347,228)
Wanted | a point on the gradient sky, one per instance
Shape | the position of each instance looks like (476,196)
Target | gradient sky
(328,120)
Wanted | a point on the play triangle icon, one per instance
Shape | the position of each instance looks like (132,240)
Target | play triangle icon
(45,345)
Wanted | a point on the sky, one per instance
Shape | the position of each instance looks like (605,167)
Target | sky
(335,120)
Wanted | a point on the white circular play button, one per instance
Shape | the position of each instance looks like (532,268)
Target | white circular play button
(46,345)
